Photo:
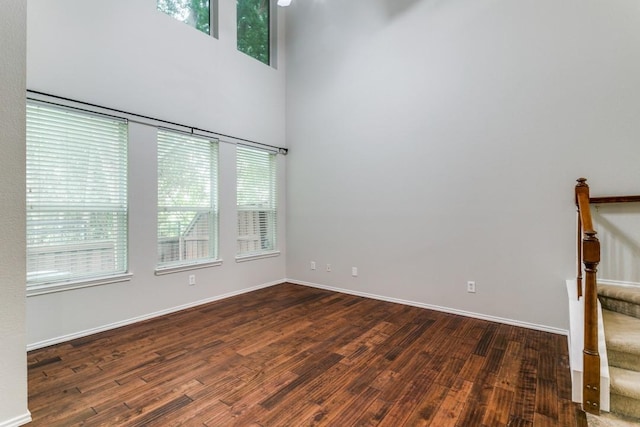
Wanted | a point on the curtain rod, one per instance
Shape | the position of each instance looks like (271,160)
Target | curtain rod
(279,150)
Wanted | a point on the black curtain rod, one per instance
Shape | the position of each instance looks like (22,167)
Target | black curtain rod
(280,150)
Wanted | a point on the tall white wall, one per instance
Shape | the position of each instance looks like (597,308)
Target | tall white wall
(437,142)
(126,55)
(13,360)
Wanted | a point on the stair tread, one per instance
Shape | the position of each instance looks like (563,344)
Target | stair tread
(625,382)
(620,292)
(606,419)
(622,332)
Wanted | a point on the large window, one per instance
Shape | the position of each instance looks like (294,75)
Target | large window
(187,199)
(196,13)
(257,204)
(76,196)
(254,26)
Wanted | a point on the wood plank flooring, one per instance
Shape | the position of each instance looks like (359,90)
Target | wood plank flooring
(291,355)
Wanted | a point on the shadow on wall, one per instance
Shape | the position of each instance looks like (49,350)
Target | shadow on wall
(397,7)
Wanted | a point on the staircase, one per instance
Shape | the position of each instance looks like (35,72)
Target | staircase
(621,317)
(606,314)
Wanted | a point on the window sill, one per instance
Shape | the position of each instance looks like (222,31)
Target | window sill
(251,257)
(50,288)
(160,271)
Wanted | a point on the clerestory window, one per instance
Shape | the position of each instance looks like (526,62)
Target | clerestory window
(254,28)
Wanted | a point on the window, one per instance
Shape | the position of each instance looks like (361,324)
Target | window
(187,199)
(256,198)
(76,196)
(254,24)
(196,13)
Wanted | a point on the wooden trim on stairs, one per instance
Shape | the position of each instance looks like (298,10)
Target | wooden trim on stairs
(589,256)
(614,199)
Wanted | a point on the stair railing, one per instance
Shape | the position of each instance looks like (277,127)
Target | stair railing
(589,257)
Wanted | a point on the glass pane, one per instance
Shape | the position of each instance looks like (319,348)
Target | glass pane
(184,236)
(187,198)
(75,245)
(253,28)
(256,231)
(195,13)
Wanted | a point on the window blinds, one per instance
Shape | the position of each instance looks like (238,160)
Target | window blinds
(187,198)
(76,195)
(257,202)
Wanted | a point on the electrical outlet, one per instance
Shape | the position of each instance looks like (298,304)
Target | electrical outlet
(471,287)
(313,265)
(354,271)
(328,268)
(192,279)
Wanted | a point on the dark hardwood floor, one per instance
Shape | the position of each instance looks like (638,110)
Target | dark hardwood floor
(296,356)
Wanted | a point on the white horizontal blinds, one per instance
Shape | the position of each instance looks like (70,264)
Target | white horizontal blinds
(187,198)
(257,202)
(76,195)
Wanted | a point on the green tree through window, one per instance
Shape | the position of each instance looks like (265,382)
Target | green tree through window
(253,28)
(196,13)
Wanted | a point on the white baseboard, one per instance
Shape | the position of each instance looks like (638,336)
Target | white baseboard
(17,421)
(80,334)
(480,316)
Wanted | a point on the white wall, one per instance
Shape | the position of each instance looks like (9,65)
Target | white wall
(438,142)
(126,55)
(13,360)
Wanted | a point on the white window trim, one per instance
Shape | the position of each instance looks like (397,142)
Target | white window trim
(49,288)
(251,257)
(161,271)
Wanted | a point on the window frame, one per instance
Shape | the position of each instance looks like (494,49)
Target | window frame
(272,222)
(49,123)
(272,13)
(213,19)
(213,208)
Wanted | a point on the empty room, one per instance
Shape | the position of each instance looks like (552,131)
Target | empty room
(319,212)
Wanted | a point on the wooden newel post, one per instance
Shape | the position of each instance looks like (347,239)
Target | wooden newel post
(589,256)
(591,358)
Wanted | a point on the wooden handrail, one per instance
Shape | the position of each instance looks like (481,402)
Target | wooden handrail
(589,256)
(614,199)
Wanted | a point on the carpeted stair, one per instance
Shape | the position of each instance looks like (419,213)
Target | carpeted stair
(621,316)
